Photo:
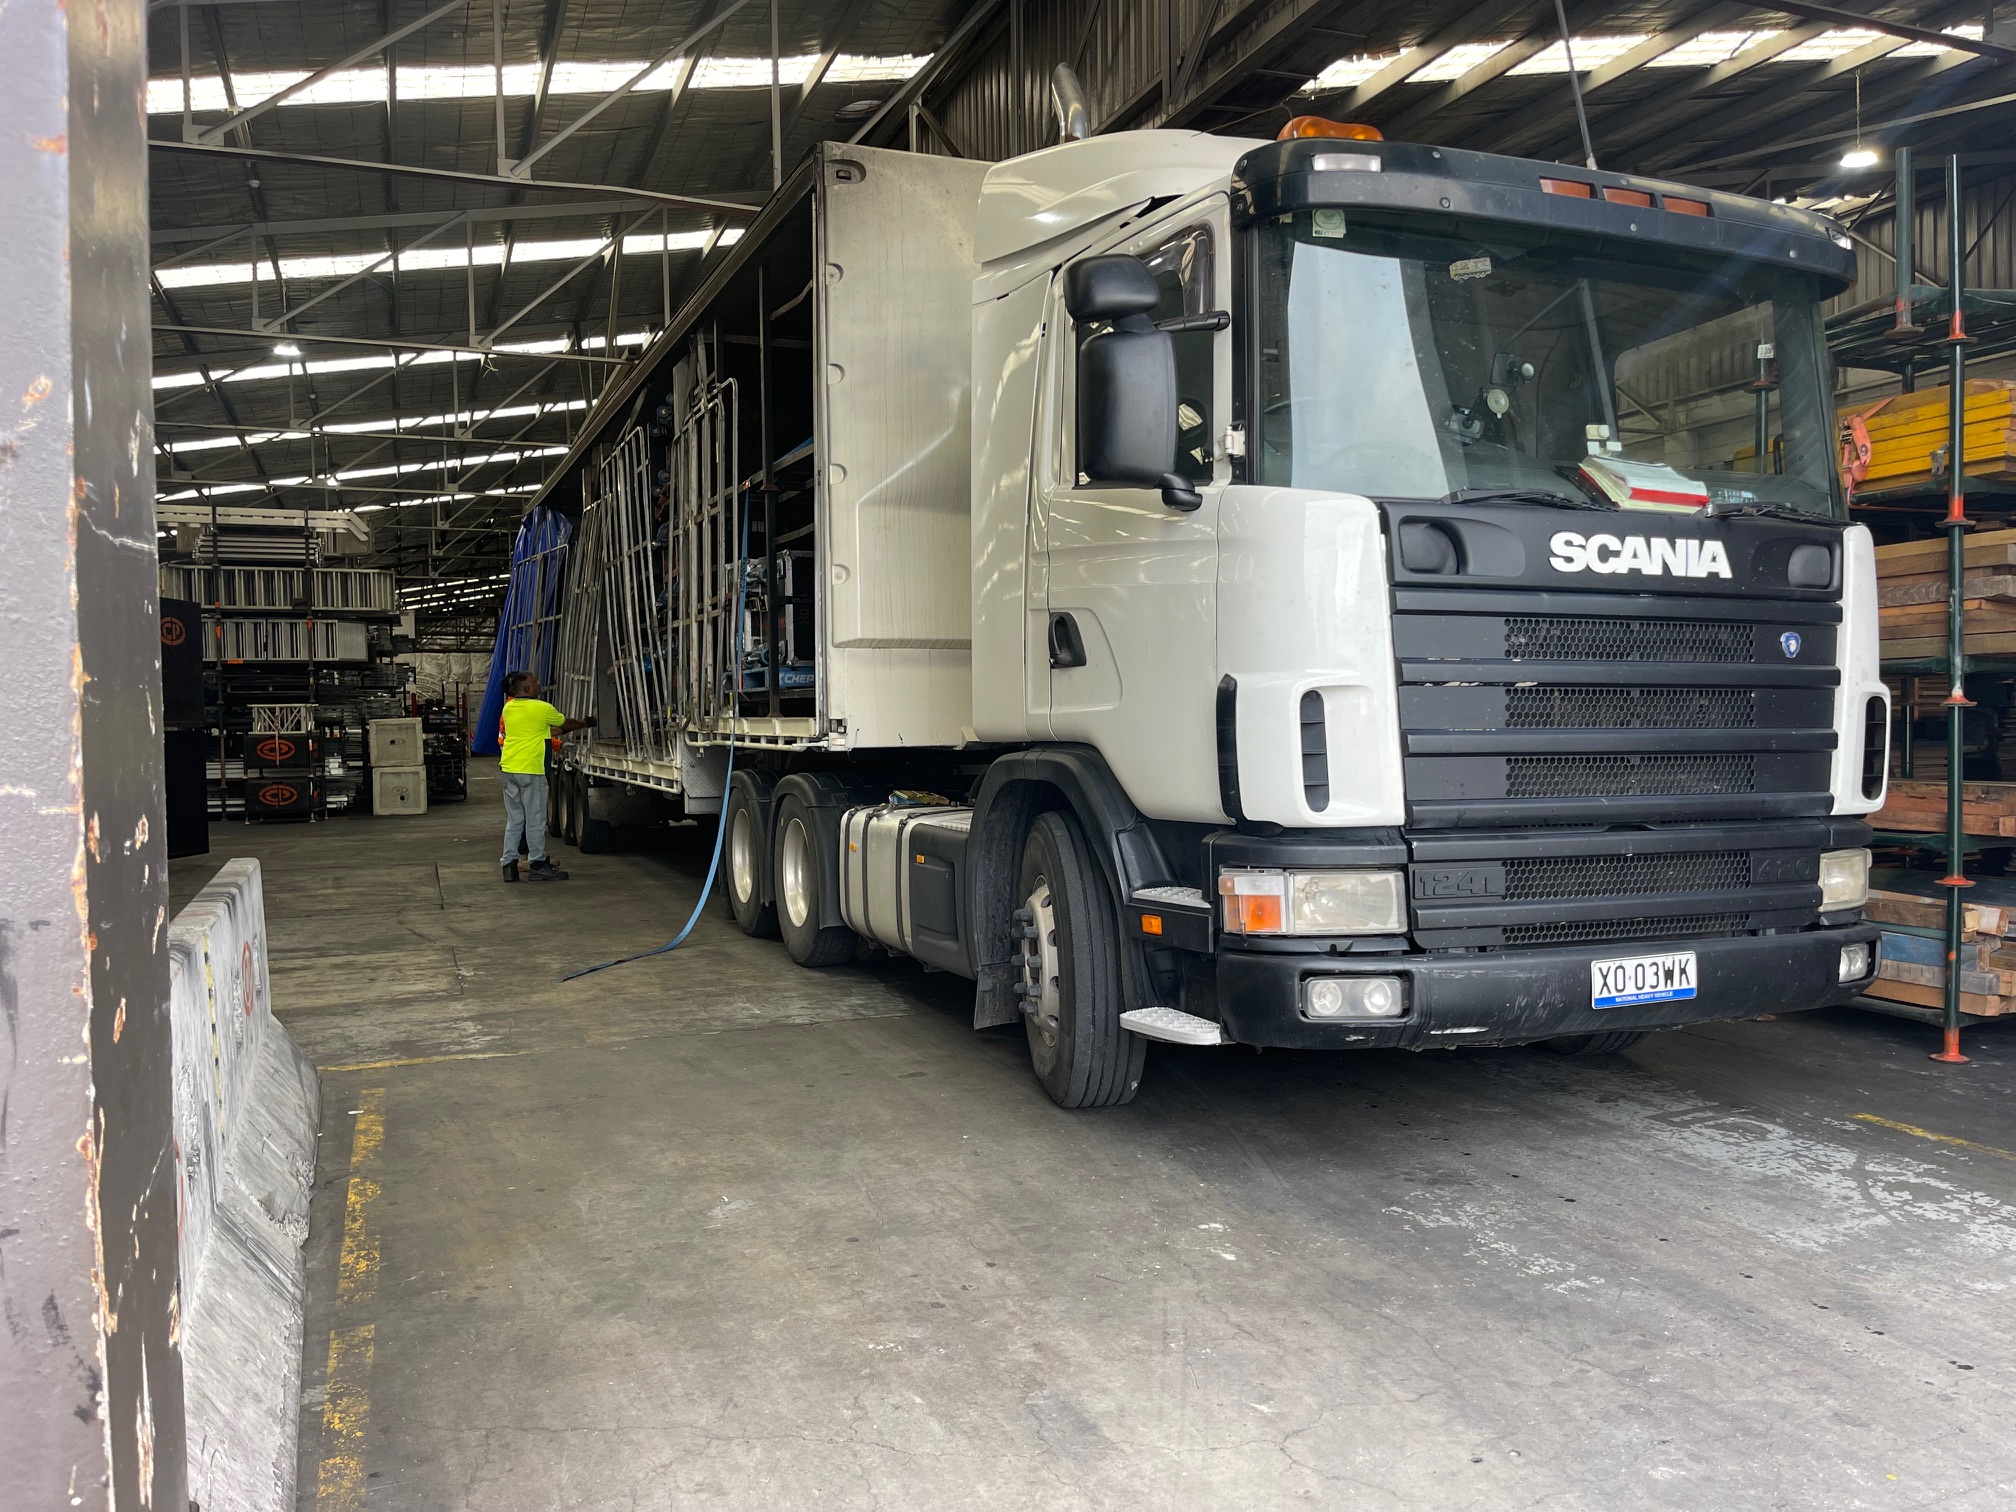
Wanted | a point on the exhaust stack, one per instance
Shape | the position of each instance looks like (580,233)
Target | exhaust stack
(1074,117)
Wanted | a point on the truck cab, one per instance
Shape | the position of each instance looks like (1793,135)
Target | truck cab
(1480,671)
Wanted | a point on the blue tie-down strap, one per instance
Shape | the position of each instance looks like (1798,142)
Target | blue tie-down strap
(720,829)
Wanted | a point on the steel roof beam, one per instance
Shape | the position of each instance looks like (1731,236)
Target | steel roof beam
(1839,17)
(218,235)
(1474,24)
(1905,90)
(1787,93)
(1627,124)
(399,344)
(1247,47)
(452,175)
(1500,63)
(1519,141)
(522,168)
(843,29)
(238,119)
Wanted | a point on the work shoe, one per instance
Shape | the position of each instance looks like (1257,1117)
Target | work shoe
(546,871)
(511,871)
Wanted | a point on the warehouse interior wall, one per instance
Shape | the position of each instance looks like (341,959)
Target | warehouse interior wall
(90,1373)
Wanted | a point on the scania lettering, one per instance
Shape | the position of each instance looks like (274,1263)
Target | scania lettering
(1653,556)
(1275,593)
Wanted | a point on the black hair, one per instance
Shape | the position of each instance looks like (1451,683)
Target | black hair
(514,683)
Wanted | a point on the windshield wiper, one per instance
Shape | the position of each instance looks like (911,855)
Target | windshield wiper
(1544,497)
(1774,512)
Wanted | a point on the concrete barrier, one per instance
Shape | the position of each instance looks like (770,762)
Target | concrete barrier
(247,1106)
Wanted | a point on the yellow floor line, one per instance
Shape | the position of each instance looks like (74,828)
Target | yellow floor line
(1945,1139)
(346,1415)
(346,1401)
(420,1060)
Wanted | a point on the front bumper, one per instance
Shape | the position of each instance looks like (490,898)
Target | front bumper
(1509,997)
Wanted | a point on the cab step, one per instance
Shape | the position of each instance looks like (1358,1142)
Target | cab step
(1172,1024)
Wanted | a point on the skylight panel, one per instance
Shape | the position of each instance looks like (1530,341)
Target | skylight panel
(1457,62)
(1347,73)
(366,86)
(1830,45)
(1709,49)
(1934,49)
(1590,53)
(432,258)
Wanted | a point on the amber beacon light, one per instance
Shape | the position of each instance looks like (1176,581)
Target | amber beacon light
(1318,126)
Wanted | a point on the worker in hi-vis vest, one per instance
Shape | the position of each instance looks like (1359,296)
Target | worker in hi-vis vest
(523,728)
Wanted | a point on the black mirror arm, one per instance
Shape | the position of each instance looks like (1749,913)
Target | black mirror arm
(1177,494)
(1210,320)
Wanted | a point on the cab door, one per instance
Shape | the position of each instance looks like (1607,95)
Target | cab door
(1128,627)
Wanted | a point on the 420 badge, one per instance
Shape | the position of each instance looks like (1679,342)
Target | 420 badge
(1642,979)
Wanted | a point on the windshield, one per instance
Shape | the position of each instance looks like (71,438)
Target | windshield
(1405,358)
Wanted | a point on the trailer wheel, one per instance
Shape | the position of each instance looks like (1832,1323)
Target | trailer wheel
(1068,972)
(594,837)
(556,804)
(1609,1043)
(742,865)
(802,886)
(569,788)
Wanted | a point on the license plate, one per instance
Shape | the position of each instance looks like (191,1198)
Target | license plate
(1642,979)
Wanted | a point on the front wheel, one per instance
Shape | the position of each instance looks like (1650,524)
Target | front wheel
(1067,972)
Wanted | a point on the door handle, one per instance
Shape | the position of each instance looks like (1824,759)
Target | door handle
(1067,646)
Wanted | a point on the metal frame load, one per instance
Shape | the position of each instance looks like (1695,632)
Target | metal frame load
(709,503)
(634,562)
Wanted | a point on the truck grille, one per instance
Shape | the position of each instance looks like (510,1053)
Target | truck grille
(1596,931)
(1561,637)
(1627,776)
(1537,708)
(1703,710)
(1546,877)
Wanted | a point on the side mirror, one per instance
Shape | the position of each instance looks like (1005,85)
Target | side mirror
(1127,399)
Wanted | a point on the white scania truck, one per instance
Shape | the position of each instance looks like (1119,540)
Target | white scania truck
(1321,593)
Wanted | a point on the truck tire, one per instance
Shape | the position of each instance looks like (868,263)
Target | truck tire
(1067,947)
(592,836)
(742,865)
(572,788)
(802,891)
(1608,1043)
(556,804)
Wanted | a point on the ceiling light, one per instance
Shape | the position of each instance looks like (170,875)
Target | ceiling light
(1858,157)
(286,349)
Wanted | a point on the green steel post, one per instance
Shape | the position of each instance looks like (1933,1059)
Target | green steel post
(1957,702)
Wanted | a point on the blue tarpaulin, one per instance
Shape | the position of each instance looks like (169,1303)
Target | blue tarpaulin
(527,627)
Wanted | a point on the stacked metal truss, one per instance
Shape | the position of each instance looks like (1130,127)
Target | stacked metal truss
(357,590)
(285,640)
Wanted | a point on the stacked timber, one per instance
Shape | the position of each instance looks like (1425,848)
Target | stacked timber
(1919,806)
(1911,595)
(1911,954)
(1908,435)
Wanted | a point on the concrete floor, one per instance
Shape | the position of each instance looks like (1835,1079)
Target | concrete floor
(710,1231)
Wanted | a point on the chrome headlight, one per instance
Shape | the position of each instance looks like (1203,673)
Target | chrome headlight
(1313,902)
(1844,879)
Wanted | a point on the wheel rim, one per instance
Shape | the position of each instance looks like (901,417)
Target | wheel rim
(741,857)
(794,874)
(1037,973)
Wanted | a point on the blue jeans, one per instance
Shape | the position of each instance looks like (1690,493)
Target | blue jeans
(524,814)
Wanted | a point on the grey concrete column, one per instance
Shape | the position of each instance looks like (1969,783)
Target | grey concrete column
(90,1374)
